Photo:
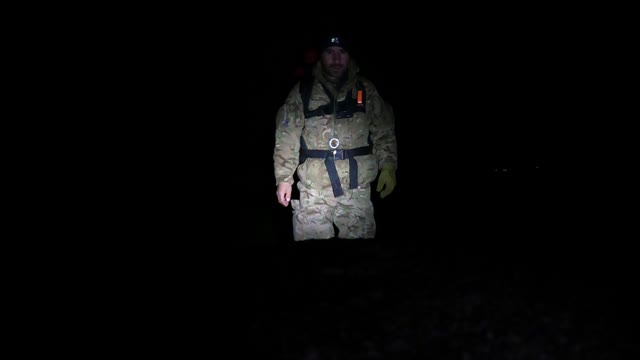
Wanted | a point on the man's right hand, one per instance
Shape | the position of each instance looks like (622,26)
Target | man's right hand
(284,193)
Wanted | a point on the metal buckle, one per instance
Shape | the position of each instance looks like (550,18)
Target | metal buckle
(338,154)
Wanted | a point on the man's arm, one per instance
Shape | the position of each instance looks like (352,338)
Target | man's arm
(289,124)
(383,134)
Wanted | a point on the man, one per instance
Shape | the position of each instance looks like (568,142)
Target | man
(337,132)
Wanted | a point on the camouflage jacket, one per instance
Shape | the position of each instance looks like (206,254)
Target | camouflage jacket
(375,124)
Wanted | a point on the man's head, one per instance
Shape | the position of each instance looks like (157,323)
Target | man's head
(334,56)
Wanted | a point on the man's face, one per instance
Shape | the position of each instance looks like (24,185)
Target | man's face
(334,61)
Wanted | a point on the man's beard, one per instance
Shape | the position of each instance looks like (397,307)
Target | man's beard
(336,71)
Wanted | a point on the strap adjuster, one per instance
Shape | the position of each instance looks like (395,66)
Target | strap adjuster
(338,154)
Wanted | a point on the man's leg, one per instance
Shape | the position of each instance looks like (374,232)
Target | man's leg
(313,215)
(354,215)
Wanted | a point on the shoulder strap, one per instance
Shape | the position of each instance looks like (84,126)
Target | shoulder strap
(345,108)
(306,85)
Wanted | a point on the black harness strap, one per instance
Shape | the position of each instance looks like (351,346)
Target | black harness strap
(344,108)
(329,157)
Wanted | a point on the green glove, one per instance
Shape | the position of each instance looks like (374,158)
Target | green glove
(386,181)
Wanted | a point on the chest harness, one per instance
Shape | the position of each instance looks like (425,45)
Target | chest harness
(343,109)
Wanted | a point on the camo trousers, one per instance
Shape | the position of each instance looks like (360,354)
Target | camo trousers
(318,210)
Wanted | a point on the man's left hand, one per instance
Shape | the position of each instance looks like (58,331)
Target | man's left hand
(386,181)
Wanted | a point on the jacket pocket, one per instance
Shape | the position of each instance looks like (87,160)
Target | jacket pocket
(367,169)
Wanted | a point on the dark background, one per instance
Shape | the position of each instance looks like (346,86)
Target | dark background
(485,111)
(498,241)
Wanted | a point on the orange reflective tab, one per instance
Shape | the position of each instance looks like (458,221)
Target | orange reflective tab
(359,96)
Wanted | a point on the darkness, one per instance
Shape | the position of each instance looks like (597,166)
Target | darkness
(492,246)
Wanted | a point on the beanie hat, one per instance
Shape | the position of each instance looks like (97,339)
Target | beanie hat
(334,40)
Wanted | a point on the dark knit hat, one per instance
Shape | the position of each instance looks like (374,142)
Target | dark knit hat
(334,40)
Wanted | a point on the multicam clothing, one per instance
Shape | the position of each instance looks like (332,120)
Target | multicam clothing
(320,206)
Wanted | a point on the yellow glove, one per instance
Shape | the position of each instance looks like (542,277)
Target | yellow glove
(386,180)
